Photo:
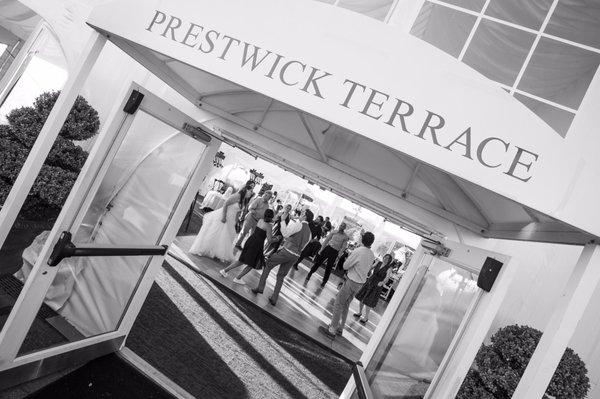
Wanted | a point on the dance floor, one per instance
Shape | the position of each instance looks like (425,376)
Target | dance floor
(302,307)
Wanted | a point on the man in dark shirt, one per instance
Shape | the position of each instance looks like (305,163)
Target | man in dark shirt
(314,245)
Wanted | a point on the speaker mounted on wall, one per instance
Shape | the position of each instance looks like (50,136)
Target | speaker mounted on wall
(489,272)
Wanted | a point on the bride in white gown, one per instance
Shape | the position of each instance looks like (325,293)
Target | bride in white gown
(216,236)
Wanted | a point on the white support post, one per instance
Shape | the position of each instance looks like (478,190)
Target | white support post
(563,323)
(471,334)
(48,134)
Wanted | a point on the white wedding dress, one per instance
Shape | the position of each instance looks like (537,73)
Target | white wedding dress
(215,238)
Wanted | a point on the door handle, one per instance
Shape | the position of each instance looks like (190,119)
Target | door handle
(64,248)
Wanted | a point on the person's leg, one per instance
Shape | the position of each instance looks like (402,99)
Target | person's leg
(353,289)
(269,265)
(360,309)
(246,227)
(283,271)
(244,271)
(232,265)
(318,261)
(367,312)
(303,255)
(340,301)
(276,259)
(331,256)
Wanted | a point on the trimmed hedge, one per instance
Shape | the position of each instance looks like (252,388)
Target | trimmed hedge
(61,167)
(500,365)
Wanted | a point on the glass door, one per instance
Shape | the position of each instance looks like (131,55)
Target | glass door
(93,271)
(414,345)
(439,307)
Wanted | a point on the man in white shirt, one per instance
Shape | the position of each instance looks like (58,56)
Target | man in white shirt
(357,265)
(296,235)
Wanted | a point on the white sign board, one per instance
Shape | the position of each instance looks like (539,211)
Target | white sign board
(374,80)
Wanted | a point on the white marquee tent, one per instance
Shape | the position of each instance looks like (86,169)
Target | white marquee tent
(375,114)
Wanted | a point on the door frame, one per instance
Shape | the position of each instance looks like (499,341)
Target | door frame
(19,368)
(473,328)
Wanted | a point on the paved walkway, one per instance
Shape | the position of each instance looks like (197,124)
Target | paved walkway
(302,307)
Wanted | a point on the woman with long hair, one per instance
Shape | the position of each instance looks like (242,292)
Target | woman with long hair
(369,293)
(252,254)
(217,233)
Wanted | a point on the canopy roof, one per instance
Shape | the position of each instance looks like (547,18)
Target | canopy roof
(451,175)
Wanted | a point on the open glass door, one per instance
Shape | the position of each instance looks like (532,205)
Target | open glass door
(424,326)
(93,271)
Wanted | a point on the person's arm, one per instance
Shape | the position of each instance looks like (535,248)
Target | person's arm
(287,229)
(253,205)
(326,241)
(351,261)
(231,200)
(344,245)
(387,276)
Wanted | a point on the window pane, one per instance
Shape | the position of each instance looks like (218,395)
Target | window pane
(443,27)
(377,9)
(475,5)
(558,119)
(498,51)
(530,13)
(559,72)
(576,20)
(412,348)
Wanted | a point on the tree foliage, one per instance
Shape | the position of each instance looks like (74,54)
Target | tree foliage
(65,160)
(500,365)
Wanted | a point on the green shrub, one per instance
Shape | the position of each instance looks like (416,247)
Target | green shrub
(65,160)
(500,365)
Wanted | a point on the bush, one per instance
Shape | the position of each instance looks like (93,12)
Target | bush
(500,365)
(61,167)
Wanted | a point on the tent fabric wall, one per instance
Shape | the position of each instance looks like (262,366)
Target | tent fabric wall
(131,207)
(158,162)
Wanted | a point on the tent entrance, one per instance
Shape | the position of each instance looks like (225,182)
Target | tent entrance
(406,190)
(123,213)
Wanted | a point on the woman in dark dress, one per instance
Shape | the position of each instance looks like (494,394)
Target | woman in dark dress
(252,253)
(368,295)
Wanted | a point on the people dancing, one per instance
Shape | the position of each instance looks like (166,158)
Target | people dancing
(252,253)
(296,235)
(217,234)
(256,210)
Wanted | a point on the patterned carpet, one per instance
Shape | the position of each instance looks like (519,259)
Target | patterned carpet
(215,348)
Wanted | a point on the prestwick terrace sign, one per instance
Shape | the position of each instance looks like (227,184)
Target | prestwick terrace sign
(367,101)
(372,79)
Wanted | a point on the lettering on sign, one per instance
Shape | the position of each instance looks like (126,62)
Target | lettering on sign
(393,111)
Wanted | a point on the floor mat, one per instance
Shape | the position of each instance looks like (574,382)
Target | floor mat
(106,377)
(203,342)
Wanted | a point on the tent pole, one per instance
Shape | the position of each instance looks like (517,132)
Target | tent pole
(563,323)
(48,134)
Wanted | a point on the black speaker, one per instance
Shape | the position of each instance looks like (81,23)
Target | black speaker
(489,272)
(133,102)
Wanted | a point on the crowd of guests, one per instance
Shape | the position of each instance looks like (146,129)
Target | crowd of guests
(263,234)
